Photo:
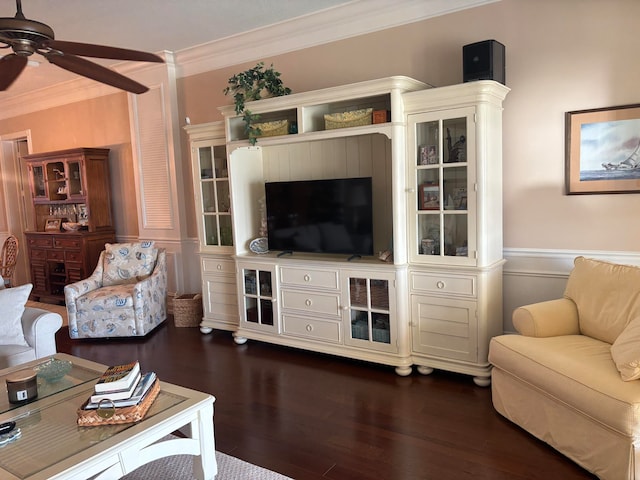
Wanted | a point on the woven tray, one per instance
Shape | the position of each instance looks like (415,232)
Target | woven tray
(90,418)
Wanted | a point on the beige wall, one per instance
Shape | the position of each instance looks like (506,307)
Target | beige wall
(562,55)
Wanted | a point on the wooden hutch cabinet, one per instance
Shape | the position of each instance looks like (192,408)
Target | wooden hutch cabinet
(67,186)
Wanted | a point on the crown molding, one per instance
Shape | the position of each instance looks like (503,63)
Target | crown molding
(352,19)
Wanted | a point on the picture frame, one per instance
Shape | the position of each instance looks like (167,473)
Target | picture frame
(427,155)
(52,224)
(429,197)
(602,150)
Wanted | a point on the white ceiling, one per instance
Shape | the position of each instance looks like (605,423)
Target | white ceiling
(179,25)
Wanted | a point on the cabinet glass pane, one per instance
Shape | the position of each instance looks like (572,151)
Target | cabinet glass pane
(208,196)
(206,164)
(266,312)
(455,188)
(224,199)
(211,230)
(380,328)
(428,241)
(250,282)
(379,294)
(38,181)
(74,180)
(360,325)
(358,292)
(56,181)
(429,197)
(220,161)
(427,136)
(265,284)
(226,234)
(455,133)
(251,309)
(455,235)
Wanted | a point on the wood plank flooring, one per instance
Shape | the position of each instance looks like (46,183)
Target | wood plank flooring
(317,417)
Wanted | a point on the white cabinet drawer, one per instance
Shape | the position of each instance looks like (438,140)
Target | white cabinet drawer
(309,277)
(312,328)
(311,302)
(217,265)
(449,284)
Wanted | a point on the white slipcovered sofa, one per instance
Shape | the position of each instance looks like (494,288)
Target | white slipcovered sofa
(25,333)
(571,377)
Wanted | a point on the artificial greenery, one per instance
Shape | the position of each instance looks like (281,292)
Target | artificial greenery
(250,85)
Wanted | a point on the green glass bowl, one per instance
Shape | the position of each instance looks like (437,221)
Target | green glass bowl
(53,370)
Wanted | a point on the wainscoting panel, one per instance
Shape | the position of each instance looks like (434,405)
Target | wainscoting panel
(532,276)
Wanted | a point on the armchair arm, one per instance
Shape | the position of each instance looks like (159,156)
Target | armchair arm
(547,319)
(74,290)
(39,328)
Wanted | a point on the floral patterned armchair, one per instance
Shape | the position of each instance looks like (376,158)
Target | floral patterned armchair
(125,296)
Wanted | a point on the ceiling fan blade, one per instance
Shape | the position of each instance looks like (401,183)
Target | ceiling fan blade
(11,67)
(96,72)
(102,51)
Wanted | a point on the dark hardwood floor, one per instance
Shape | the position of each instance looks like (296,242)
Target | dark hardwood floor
(311,416)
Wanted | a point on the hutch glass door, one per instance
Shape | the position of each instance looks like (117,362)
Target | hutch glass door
(442,223)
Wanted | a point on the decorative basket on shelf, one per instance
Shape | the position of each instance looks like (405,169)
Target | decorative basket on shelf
(354,118)
(187,310)
(272,129)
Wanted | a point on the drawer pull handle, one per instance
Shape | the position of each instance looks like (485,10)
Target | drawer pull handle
(308,302)
(307,278)
(440,284)
(309,328)
(219,267)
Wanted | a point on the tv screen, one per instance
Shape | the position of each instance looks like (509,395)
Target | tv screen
(323,216)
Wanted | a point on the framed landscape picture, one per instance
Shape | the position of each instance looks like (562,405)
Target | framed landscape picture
(603,150)
(429,197)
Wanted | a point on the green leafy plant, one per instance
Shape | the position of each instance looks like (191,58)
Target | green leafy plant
(251,85)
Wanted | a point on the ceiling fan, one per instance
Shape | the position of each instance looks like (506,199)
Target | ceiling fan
(26,37)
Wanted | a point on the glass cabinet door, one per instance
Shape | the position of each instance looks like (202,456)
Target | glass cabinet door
(257,292)
(214,195)
(38,182)
(370,321)
(74,179)
(442,173)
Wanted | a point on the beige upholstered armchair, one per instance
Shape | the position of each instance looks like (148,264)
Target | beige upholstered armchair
(124,297)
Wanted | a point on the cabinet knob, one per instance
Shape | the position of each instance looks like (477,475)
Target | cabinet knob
(411,190)
(308,302)
(309,328)
(219,267)
(440,284)
(307,278)
(345,308)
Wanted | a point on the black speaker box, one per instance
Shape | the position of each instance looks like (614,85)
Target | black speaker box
(483,61)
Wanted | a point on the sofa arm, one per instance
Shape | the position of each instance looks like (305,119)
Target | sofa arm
(39,328)
(547,319)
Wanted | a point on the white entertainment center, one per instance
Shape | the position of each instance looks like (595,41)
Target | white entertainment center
(436,168)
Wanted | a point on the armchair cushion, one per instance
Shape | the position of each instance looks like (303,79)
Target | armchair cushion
(607,297)
(126,263)
(12,302)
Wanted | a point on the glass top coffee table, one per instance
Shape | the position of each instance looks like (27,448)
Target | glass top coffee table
(53,446)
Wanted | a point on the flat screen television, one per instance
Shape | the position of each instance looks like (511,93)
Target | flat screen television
(322,216)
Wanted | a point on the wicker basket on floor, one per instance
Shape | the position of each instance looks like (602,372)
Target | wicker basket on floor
(187,310)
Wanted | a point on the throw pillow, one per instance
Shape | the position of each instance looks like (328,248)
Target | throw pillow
(126,263)
(625,351)
(12,302)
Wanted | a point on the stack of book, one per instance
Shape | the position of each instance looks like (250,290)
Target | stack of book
(120,390)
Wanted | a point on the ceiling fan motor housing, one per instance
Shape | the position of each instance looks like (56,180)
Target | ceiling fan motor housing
(25,36)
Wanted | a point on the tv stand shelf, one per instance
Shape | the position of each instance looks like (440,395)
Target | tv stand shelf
(436,166)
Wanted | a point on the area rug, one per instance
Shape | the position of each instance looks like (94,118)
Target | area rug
(180,467)
(59,309)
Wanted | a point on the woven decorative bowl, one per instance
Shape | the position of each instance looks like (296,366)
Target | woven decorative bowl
(53,370)
(71,226)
